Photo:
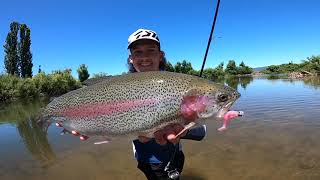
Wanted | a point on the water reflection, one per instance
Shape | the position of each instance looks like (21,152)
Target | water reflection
(36,142)
(234,82)
(312,82)
(245,81)
(22,115)
(276,76)
(14,112)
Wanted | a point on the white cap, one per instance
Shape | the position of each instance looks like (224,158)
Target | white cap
(143,34)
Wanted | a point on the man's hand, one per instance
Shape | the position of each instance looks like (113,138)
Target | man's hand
(167,134)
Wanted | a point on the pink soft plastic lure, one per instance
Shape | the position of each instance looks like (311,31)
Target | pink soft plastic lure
(227,117)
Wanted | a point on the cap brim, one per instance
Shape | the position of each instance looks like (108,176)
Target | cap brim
(138,40)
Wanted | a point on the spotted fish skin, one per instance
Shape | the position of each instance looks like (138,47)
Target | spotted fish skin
(136,103)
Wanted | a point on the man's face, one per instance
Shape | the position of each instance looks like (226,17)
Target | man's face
(146,56)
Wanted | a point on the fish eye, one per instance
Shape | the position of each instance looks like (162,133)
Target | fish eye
(222,97)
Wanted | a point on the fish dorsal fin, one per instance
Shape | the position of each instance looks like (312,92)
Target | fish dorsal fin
(92,81)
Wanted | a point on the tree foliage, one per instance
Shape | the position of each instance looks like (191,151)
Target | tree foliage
(208,73)
(56,83)
(243,69)
(18,57)
(312,64)
(218,71)
(11,59)
(183,67)
(231,68)
(169,67)
(25,55)
(83,73)
(273,69)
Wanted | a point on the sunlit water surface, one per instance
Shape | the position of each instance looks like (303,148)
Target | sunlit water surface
(278,138)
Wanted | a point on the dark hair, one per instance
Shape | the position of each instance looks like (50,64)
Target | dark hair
(162,65)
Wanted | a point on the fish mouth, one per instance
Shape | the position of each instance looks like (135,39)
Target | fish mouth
(225,109)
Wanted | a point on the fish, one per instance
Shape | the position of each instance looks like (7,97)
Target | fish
(139,104)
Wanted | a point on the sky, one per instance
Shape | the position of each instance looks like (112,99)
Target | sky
(67,33)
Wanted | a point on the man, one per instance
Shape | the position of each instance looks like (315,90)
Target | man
(160,157)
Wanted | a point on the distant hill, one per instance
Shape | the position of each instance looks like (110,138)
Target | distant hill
(260,68)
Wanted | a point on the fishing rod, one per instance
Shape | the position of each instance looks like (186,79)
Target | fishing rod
(210,37)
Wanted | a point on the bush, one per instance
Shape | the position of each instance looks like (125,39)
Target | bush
(27,88)
(8,87)
(42,82)
(60,82)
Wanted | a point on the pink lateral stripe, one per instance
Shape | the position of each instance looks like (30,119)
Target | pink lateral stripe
(99,109)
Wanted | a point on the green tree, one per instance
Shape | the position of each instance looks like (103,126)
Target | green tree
(273,69)
(169,67)
(61,82)
(243,69)
(177,67)
(208,73)
(83,73)
(194,72)
(11,58)
(314,63)
(25,63)
(231,68)
(218,71)
(183,67)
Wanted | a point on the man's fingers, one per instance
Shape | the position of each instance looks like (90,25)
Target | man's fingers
(172,131)
(178,128)
(170,134)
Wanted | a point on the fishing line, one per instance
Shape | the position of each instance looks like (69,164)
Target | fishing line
(210,37)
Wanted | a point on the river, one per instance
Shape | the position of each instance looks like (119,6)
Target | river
(278,138)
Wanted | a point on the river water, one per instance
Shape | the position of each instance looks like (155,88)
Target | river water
(278,138)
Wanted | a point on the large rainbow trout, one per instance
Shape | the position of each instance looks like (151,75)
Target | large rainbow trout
(139,104)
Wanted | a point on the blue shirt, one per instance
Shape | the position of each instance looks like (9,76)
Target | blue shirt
(152,152)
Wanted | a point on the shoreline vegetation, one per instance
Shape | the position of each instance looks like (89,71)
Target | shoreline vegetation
(60,82)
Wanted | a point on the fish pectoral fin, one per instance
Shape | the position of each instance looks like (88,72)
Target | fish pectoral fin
(188,126)
(101,142)
(105,141)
